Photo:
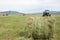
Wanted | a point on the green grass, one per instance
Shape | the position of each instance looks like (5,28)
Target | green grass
(12,26)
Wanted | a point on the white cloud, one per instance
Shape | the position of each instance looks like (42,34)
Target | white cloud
(29,5)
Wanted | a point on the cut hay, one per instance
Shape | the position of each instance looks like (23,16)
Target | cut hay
(40,28)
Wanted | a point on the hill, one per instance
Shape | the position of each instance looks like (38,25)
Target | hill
(55,12)
(51,12)
(16,12)
(10,12)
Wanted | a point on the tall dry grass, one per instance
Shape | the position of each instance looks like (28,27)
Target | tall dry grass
(40,28)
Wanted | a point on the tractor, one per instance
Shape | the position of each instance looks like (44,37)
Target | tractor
(46,13)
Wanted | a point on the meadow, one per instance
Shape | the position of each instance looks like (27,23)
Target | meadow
(12,27)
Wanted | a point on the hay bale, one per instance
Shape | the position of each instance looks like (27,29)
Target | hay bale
(40,28)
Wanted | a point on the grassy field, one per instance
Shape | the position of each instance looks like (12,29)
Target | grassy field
(13,26)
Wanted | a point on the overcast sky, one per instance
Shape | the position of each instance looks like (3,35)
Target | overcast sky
(29,6)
